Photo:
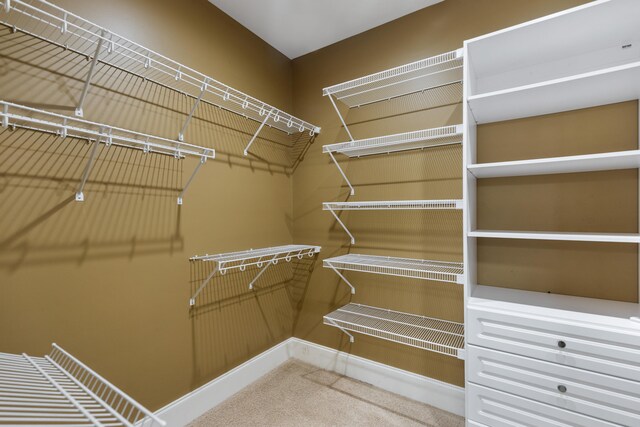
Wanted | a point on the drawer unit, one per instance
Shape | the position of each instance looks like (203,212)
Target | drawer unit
(585,344)
(498,409)
(603,396)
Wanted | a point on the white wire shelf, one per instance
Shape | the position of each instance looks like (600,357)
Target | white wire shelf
(19,116)
(441,271)
(426,138)
(388,205)
(568,164)
(393,205)
(406,79)
(261,258)
(440,336)
(50,23)
(58,389)
(556,235)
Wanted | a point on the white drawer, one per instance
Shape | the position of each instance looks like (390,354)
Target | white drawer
(498,409)
(582,344)
(610,398)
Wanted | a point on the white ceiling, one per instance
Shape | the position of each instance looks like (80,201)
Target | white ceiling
(297,27)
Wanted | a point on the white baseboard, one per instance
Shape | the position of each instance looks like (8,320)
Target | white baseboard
(436,393)
(417,387)
(190,406)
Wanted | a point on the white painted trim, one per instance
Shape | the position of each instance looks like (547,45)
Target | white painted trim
(436,393)
(417,387)
(195,403)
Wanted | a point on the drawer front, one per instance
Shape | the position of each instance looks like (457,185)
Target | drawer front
(498,409)
(608,350)
(610,398)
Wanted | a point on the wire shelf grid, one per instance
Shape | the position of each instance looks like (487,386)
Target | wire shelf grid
(261,258)
(440,336)
(428,73)
(60,390)
(48,22)
(425,138)
(393,205)
(442,271)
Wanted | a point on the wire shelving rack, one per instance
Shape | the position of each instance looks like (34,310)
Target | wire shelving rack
(47,22)
(427,333)
(261,258)
(20,116)
(59,389)
(388,205)
(420,139)
(441,271)
(425,74)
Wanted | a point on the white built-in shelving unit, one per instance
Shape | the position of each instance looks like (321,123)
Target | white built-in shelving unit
(414,140)
(20,116)
(333,207)
(261,258)
(542,358)
(440,336)
(61,28)
(426,333)
(59,389)
(440,271)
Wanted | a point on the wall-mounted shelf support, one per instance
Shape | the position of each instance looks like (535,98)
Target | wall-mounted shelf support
(261,258)
(341,118)
(344,331)
(87,170)
(389,205)
(87,83)
(344,227)
(202,161)
(33,119)
(344,176)
(353,289)
(193,110)
(7,5)
(255,135)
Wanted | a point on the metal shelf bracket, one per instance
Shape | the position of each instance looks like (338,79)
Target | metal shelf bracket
(87,168)
(87,83)
(351,338)
(255,135)
(193,110)
(192,300)
(353,289)
(341,118)
(353,191)
(344,227)
(272,261)
(202,161)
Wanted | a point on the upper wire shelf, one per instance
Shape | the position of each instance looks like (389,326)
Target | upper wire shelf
(442,271)
(58,389)
(261,258)
(429,73)
(394,205)
(440,336)
(20,116)
(420,139)
(48,22)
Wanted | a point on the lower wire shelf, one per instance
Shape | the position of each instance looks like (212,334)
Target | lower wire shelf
(58,389)
(440,336)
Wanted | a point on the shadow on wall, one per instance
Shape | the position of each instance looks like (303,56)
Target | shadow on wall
(130,208)
(42,75)
(230,322)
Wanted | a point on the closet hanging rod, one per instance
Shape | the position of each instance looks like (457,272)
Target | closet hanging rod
(20,116)
(48,22)
(261,258)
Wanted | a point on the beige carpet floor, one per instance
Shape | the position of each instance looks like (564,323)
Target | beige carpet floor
(297,394)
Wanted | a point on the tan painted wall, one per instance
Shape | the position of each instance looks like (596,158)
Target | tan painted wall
(109,279)
(430,174)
